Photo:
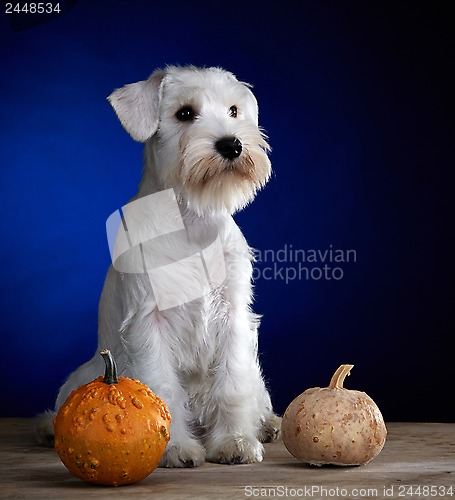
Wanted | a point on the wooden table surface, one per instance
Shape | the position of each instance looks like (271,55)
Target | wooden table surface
(418,461)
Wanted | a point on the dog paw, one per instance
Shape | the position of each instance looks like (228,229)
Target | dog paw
(188,453)
(270,429)
(237,451)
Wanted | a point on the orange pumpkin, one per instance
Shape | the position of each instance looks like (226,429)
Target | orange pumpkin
(113,430)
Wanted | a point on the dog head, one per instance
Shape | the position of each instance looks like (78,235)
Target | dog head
(201,132)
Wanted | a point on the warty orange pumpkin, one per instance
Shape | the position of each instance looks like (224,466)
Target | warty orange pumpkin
(113,430)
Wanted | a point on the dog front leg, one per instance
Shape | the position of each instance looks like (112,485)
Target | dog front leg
(234,414)
(149,346)
(183,449)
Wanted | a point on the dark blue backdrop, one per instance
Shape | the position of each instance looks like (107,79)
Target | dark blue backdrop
(354,97)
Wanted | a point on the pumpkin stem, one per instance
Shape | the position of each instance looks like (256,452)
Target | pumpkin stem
(110,374)
(339,376)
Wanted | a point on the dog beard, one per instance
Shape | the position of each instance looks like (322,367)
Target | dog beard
(213,183)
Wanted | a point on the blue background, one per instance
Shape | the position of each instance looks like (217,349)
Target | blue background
(355,99)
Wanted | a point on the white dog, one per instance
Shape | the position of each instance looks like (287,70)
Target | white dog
(195,347)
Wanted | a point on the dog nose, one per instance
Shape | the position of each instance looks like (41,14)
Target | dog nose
(229,147)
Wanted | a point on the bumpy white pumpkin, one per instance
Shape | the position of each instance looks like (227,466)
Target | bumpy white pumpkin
(334,425)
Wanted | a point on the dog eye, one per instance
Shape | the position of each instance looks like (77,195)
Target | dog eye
(185,114)
(233,111)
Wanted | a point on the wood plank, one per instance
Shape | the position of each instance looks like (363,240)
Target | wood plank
(415,454)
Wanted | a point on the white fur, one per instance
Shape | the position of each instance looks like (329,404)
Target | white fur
(200,357)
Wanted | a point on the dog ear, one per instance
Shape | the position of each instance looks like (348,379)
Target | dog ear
(137,106)
(252,109)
